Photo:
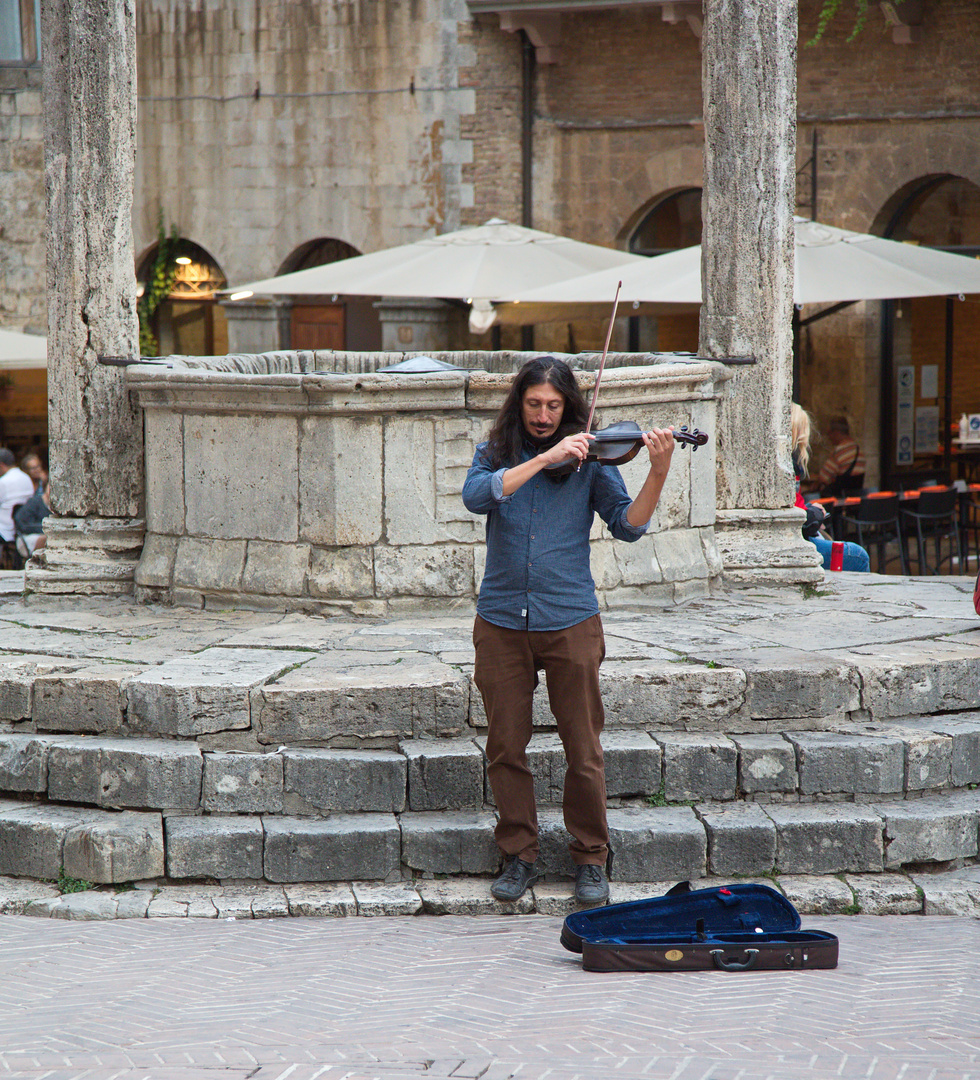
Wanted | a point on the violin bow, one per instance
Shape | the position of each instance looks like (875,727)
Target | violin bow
(602,362)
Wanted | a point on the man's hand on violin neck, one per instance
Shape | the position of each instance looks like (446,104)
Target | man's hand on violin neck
(660,446)
(576,446)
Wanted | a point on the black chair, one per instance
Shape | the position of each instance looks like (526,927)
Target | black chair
(936,518)
(876,521)
(969,527)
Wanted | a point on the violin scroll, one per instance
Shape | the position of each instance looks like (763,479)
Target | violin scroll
(693,439)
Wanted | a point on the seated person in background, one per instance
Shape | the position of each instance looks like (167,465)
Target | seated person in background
(16,488)
(855,556)
(28,519)
(844,469)
(34,467)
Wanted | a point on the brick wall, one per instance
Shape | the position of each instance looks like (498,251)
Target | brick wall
(21,200)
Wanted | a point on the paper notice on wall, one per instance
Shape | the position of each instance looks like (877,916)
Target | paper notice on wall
(927,429)
(930,381)
(904,419)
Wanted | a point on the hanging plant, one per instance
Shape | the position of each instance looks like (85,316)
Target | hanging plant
(158,285)
(831,9)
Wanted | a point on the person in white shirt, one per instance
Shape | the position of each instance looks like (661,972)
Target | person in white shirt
(16,487)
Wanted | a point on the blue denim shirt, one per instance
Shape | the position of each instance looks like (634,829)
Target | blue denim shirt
(538,575)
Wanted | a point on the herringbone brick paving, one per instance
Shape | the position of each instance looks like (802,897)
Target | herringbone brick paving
(484,998)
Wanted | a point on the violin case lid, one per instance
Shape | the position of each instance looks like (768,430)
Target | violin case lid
(736,927)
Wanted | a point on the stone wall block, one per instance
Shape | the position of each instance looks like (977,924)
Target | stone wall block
(32,838)
(647,694)
(242,783)
(231,497)
(965,763)
(276,569)
(343,847)
(935,829)
(74,770)
(680,555)
(206,692)
(363,700)
(156,565)
(824,839)
(17,677)
(215,565)
(443,774)
(741,839)
(320,781)
(23,763)
(439,570)
(150,773)
(633,763)
(920,679)
(164,435)
(340,480)
(214,846)
(779,687)
(766,763)
(928,760)
(411,503)
(657,844)
(831,763)
(341,573)
(453,842)
(91,699)
(116,848)
(699,767)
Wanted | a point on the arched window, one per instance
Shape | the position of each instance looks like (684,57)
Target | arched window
(183,318)
(672,222)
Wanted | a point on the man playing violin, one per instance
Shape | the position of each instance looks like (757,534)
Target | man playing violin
(537,609)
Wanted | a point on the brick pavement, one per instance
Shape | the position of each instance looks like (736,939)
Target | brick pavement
(467,998)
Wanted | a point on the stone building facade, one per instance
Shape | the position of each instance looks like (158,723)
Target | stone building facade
(272,134)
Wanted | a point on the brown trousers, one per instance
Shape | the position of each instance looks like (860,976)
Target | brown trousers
(507,663)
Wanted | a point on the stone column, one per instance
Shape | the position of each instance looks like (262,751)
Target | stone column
(95,428)
(749,88)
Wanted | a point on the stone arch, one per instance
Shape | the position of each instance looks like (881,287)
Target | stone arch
(188,320)
(329,322)
(655,179)
(938,210)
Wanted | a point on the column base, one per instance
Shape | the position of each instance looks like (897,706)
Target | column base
(87,557)
(759,546)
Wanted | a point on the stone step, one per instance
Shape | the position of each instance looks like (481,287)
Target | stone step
(43,840)
(942,893)
(393,686)
(855,762)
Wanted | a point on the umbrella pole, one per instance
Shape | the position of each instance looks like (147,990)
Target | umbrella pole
(948,392)
(796,353)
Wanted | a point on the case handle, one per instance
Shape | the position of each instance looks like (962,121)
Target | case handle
(751,956)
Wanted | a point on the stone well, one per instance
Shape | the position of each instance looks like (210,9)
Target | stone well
(274,482)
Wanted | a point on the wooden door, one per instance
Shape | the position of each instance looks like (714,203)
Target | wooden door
(318,326)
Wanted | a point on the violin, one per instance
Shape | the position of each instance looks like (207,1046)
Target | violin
(620,442)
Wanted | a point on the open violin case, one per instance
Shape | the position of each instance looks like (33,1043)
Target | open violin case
(738,927)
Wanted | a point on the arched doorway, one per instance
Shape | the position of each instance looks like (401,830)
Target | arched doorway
(330,322)
(930,345)
(673,221)
(176,283)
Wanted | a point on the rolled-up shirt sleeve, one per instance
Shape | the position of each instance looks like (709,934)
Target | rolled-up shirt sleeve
(483,489)
(611,501)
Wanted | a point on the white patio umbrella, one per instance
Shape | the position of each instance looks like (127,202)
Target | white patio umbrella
(495,261)
(832,266)
(19,350)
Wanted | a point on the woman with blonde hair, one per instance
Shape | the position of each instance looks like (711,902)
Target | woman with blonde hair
(855,557)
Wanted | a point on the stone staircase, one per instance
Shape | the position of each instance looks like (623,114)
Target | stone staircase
(286,766)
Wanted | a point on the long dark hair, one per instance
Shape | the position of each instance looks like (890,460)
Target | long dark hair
(508,435)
